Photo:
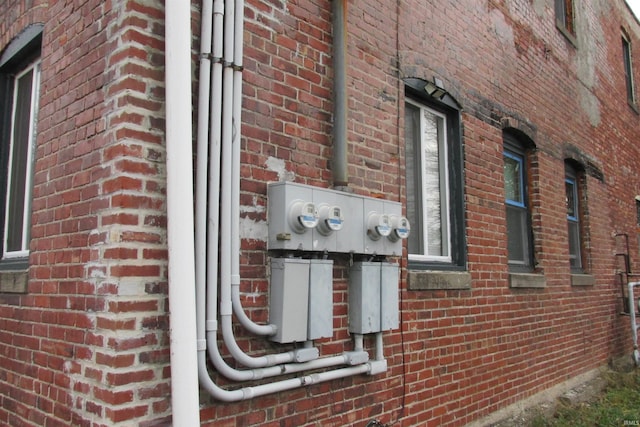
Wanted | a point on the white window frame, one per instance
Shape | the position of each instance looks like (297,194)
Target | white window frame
(26,208)
(443,170)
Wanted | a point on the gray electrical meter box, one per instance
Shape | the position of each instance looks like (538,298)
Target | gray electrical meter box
(306,218)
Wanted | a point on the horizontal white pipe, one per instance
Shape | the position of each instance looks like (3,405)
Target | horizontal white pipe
(274,387)
(271,371)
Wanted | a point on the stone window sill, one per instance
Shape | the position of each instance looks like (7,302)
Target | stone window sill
(436,280)
(13,282)
(527,281)
(582,280)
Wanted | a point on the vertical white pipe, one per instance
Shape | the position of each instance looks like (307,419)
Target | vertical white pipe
(180,223)
(225,189)
(213,198)
(202,139)
(238,49)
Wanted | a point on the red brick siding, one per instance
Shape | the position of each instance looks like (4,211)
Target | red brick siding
(88,340)
(87,344)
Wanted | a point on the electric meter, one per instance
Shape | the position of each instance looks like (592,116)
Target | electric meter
(331,219)
(378,225)
(302,216)
(400,228)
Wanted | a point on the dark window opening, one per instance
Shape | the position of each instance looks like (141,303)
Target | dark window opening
(435,201)
(628,70)
(519,228)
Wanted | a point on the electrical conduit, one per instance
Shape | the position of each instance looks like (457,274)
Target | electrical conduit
(226,103)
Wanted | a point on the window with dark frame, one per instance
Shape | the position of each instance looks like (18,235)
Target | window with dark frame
(573,218)
(434,183)
(628,70)
(519,232)
(19,96)
(565,16)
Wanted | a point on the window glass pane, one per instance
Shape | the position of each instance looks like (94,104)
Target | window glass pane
(570,189)
(22,136)
(427,184)
(432,184)
(628,71)
(573,215)
(414,193)
(517,242)
(574,245)
(513,179)
(565,15)
(19,153)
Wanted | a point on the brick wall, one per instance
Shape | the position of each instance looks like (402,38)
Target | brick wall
(87,344)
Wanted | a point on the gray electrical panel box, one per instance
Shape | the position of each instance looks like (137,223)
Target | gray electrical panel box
(364,298)
(320,324)
(288,299)
(389,301)
(373,297)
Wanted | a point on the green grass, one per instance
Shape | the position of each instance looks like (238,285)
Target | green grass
(618,406)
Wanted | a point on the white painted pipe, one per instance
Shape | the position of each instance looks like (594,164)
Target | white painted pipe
(180,222)
(379,346)
(230,196)
(243,358)
(238,45)
(202,154)
(212,202)
(241,315)
(226,160)
(273,387)
(224,155)
(259,373)
(358,342)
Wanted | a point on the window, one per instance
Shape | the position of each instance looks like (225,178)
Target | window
(628,70)
(573,218)
(565,17)
(434,182)
(429,184)
(519,234)
(19,93)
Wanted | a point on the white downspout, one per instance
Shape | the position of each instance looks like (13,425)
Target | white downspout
(182,319)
